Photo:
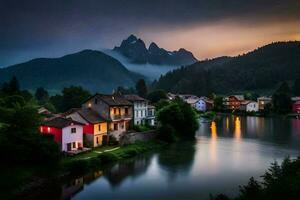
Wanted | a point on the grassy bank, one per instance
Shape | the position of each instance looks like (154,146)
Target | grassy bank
(21,179)
(92,160)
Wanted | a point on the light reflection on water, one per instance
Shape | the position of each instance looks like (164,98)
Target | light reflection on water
(226,153)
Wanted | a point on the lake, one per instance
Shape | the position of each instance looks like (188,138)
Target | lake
(226,153)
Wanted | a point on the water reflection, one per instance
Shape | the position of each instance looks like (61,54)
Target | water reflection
(129,168)
(177,159)
(227,152)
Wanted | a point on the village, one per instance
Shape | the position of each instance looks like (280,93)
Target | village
(103,118)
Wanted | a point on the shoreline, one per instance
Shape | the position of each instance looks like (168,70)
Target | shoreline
(75,166)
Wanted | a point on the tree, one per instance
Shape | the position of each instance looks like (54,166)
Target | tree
(141,88)
(20,141)
(282,99)
(218,103)
(72,97)
(157,95)
(181,117)
(12,87)
(296,87)
(41,95)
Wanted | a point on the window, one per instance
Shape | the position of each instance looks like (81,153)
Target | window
(126,111)
(99,127)
(115,111)
(95,100)
(97,140)
(74,144)
(115,126)
(73,130)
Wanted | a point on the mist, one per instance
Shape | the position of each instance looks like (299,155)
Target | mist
(150,71)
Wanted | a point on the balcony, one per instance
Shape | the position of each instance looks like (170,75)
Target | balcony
(120,117)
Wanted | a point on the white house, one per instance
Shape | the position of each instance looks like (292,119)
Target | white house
(249,106)
(66,132)
(200,105)
(141,110)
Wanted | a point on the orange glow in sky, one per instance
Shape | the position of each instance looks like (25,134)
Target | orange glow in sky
(223,38)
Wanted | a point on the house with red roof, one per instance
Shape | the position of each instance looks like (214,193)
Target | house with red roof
(66,132)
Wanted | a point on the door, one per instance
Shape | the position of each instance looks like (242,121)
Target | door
(69,146)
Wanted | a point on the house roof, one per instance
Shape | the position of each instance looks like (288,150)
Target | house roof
(90,116)
(238,97)
(60,122)
(246,102)
(263,98)
(111,100)
(134,97)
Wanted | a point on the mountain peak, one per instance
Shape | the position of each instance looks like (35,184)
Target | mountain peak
(153,46)
(135,50)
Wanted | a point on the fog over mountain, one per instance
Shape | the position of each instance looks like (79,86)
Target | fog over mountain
(150,71)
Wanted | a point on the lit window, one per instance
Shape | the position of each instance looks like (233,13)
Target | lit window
(99,127)
(48,129)
(89,105)
(41,129)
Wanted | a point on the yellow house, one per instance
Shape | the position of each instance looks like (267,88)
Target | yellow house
(95,128)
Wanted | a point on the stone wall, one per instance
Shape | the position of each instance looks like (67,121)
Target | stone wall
(131,138)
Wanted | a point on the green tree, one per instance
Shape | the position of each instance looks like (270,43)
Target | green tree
(282,99)
(218,103)
(41,95)
(72,97)
(141,88)
(20,141)
(12,87)
(181,117)
(157,95)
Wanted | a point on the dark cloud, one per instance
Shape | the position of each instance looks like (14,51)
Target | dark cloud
(48,27)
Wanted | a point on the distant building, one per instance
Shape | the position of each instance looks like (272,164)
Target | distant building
(44,111)
(233,102)
(94,129)
(151,115)
(114,109)
(140,108)
(296,107)
(263,101)
(249,106)
(66,132)
(203,104)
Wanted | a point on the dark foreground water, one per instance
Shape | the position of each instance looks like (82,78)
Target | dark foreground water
(227,152)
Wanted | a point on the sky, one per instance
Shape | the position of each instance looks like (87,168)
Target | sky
(209,28)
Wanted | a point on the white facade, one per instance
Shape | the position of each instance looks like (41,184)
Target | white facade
(72,137)
(200,105)
(140,112)
(252,107)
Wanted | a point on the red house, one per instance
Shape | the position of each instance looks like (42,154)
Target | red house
(296,107)
(67,133)
(233,102)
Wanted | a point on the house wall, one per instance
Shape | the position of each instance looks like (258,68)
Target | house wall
(200,105)
(252,107)
(68,137)
(122,128)
(98,134)
(296,107)
(140,110)
(100,107)
(56,132)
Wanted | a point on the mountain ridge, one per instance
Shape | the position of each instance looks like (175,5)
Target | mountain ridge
(91,69)
(261,69)
(136,51)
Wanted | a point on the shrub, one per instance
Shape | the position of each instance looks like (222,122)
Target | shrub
(107,157)
(167,133)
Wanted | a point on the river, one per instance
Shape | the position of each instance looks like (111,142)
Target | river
(226,153)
